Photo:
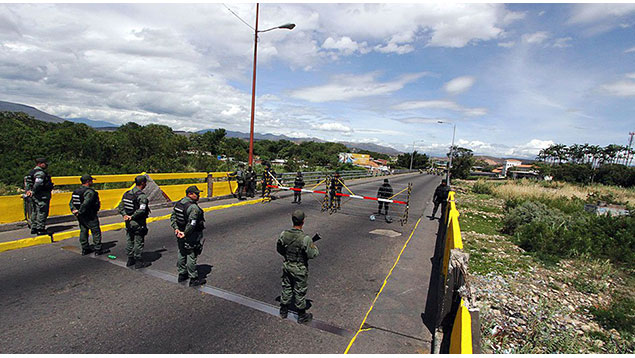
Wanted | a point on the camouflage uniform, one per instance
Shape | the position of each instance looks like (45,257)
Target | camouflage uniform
(135,204)
(86,201)
(40,185)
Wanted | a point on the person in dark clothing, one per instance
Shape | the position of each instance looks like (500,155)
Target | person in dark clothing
(440,196)
(384,192)
(298,183)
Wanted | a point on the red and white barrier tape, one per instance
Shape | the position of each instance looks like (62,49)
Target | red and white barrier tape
(338,194)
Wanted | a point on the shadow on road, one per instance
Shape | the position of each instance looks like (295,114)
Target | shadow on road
(203,270)
(58,228)
(152,256)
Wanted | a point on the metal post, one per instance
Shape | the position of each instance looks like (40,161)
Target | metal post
(413,154)
(447,178)
(253,91)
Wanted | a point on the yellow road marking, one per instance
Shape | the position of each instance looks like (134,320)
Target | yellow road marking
(350,344)
(46,239)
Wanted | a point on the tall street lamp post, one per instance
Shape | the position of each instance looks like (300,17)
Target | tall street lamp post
(253,81)
(447,178)
(413,152)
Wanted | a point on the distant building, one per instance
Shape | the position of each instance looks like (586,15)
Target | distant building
(508,164)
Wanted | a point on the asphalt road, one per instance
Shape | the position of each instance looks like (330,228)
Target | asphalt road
(55,301)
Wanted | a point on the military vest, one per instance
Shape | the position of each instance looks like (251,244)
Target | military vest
(294,252)
(78,198)
(180,211)
(385,190)
(131,201)
(29,180)
(240,176)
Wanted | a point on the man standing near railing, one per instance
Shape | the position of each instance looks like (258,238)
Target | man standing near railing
(38,186)
(250,181)
(188,222)
(84,205)
(135,210)
(440,197)
(240,180)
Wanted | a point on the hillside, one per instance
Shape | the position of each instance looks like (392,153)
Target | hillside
(31,111)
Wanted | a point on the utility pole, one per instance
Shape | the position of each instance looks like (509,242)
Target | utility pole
(630,148)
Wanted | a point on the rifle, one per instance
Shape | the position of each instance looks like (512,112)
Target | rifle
(316,237)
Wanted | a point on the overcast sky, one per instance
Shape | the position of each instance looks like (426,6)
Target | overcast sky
(514,78)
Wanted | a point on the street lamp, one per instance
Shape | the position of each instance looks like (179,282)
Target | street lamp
(253,83)
(447,178)
(413,152)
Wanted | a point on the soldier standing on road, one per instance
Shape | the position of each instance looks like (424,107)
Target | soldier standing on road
(298,183)
(440,197)
(250,179)
(188,222)
(135,210)
(384,192)
(84,205)
(336,188)
(297,248)
(38,187)
(240,180)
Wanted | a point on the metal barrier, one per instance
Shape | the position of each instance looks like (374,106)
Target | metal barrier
(457,313)
(216,184)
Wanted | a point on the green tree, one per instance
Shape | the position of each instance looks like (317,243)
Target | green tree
(462,162)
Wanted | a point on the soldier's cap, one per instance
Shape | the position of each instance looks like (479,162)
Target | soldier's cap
(86,178)
(192,189)
(298,215)
(140,179)
(385,180)
(41,160)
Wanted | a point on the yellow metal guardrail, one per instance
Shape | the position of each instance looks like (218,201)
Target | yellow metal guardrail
(463,339)
(453,238)
(12,206)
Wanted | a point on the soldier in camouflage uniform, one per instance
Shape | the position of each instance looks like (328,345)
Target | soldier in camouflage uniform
(240,180)
(188,222)
(297,248)
(38,186)
(298,183)
(250,179)
(135,210)
(84,205)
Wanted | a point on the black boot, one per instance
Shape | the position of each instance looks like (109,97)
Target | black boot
(284,311)
(304,317)
(33,231)
(131,261)
(182,278)
(139,264)
(101,252)
(86,251)
(197,282)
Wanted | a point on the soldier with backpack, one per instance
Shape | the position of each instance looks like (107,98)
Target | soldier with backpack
(135,210)
(84,205)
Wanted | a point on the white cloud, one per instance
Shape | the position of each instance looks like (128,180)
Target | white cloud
(345,45)
(459,84)
(591,13)
(632,49)
(507,44)
(333,127)
(347,87)
(536,37)
(562,42)
(440,104)
(622,88)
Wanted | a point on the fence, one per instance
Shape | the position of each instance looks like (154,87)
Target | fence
(216,184)
(457,312)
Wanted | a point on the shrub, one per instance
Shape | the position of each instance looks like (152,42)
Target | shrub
(530,212)
(482,187)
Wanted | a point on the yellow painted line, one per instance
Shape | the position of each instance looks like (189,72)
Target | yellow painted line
(350,344)
(46,239)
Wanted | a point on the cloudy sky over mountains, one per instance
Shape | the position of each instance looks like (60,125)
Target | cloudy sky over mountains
(514,78)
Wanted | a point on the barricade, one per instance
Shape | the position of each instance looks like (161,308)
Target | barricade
(12,208)
(457,325)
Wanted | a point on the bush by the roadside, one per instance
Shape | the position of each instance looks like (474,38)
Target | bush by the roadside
(482,187)
(551,232)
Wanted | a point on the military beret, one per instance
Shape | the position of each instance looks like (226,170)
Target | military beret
(140,179)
